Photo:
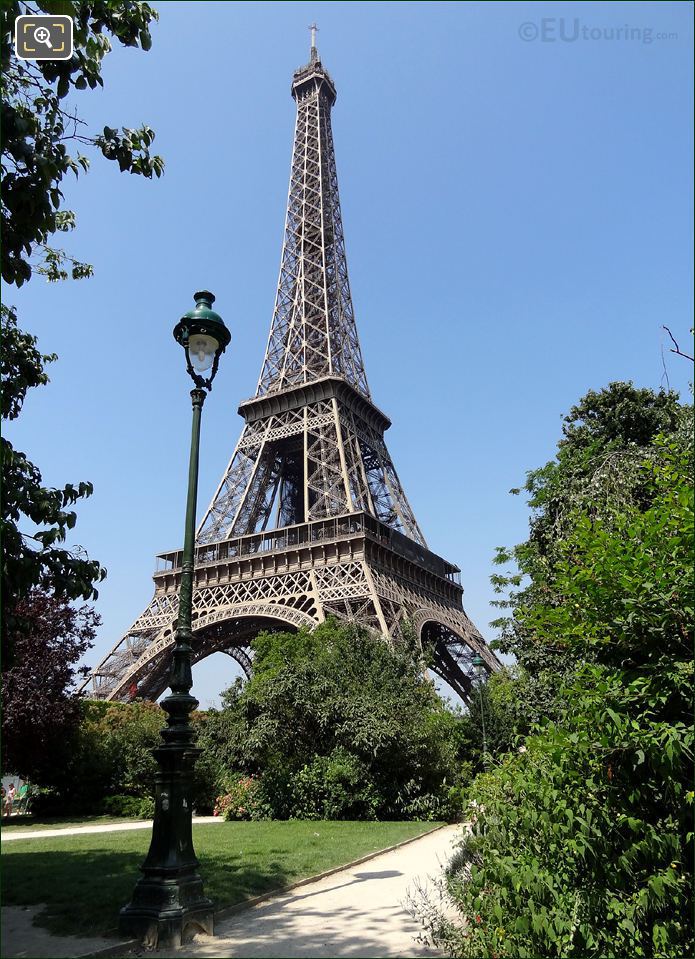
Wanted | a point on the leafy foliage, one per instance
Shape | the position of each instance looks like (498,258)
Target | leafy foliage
(337,724)
(581,841)
(37,126)
(34,559)
(106,762)
(598,472)
(496,712)
(38,130)
(40,711)
(240,799)
(129,806)
(109,754)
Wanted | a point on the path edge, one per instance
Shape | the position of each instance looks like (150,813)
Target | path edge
(250,903)
(228,911)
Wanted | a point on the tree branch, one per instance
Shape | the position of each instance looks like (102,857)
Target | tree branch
(677,350)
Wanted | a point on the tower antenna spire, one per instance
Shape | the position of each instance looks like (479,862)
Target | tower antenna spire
(314,52)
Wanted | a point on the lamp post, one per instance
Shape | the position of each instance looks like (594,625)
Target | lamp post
(479,663)
(168,901)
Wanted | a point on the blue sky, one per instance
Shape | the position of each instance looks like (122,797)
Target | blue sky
(517,210)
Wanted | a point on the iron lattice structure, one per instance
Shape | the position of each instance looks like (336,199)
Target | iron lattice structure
(310,518)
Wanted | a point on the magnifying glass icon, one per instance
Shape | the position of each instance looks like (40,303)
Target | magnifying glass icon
(43,35)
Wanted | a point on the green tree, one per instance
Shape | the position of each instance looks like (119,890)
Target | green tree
(33,557)
(41,127)
(495,714)
(107,753)
(582,842)
(39,709)
(598,470)
(101,761)
(339,724)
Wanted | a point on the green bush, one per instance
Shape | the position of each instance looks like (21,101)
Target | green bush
(582,838)
(46,802)
(338,786)
(110,754)
(129,807)
(432,807)
(208,774)
(275,796)
(239,799)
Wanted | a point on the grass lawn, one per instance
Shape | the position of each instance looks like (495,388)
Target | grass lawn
(84,880)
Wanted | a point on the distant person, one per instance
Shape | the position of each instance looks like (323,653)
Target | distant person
(9,799)
(23,798)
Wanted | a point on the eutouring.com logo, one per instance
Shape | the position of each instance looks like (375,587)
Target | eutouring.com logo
(564,30)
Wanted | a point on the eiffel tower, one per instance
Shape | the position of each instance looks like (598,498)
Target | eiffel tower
(310,519)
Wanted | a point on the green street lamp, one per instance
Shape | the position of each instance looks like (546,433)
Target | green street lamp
(168,902)
(479,664)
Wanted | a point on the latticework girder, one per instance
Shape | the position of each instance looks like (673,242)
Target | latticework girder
(310,518)
(313,333)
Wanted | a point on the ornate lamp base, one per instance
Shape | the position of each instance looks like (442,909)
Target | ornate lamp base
(164,913)
(168,904)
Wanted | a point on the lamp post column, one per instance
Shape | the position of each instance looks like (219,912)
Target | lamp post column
(168,902)
(181,678)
